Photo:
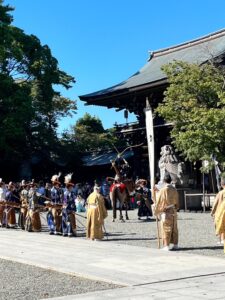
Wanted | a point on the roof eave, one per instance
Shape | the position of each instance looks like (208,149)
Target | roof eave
(97,99)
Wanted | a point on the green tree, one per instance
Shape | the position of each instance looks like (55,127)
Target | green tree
(30,107)
(89,134)
(195,103)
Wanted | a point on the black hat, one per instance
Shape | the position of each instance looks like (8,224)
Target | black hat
(167,178)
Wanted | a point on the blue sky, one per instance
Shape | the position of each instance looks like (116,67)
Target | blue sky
(103,42)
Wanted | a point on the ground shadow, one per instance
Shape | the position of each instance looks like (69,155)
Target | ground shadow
(141,221)
(120,234)
(200,248)
(129,239)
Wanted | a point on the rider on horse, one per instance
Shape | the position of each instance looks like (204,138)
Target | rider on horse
(122,185)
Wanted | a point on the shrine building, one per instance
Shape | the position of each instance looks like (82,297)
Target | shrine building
(149,83)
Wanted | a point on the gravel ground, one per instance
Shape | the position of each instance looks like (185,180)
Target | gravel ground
(24,282)
(196,234)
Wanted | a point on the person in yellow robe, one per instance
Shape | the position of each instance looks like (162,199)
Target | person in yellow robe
(96,213)
(217,211)
(167,204)
(220,222)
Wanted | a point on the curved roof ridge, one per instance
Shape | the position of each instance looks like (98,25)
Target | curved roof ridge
(190,43)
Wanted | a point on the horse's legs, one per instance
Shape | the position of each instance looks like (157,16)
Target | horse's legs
(121,213)
(126,209)
(127,218)
(113,200)
(114,212)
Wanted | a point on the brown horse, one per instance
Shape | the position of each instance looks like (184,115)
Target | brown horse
(121,190)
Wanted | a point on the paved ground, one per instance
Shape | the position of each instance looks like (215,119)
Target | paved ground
(207,287)
(127,258)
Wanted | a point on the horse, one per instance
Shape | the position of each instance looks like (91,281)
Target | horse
(121,190)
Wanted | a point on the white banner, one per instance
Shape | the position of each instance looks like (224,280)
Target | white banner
(151,145)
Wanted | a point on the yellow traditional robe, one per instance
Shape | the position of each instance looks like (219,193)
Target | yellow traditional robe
(11,217)
(220,219)
(96,213)
(35,220)
(167,203)
(219,214)
(218,201)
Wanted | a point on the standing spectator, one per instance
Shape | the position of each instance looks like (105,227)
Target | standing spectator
(105,193)
(144,199)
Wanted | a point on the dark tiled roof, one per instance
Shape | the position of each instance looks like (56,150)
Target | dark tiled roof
(103,158)
(196,51)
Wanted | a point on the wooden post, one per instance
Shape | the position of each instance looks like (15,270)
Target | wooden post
(185,202)
(203,190)
(213,185)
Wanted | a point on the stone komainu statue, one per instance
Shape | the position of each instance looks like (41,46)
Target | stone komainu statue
(169,163)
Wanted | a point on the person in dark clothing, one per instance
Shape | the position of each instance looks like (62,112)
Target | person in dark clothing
(144,200)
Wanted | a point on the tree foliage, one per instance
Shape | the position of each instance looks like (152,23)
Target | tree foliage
(89,134)
(195,103)
(30,107)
